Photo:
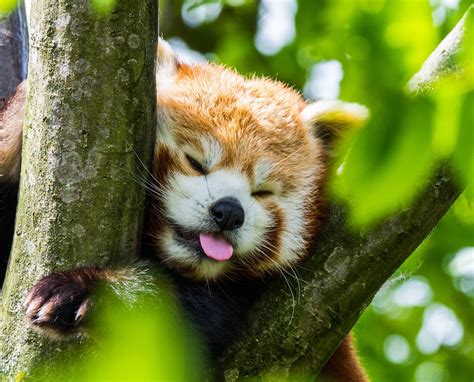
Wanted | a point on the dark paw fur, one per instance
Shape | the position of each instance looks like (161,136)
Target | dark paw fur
(59,302)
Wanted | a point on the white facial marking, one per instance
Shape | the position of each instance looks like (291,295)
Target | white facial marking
(189,150)
(188,198)
(212,150)
(163,131)
(174,249)
(187,203)
(263,169)
(166,67)
(209,269)
(294,207)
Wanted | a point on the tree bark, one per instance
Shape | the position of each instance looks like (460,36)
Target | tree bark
(89,126)
(347,269)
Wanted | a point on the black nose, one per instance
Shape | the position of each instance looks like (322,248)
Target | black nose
(228,214)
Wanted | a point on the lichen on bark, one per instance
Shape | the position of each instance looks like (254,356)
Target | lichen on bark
(89,126)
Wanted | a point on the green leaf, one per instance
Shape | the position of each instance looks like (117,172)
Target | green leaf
(198,3)
(104,6)
(144,339)
(388,159)
(7,5)
(464,152)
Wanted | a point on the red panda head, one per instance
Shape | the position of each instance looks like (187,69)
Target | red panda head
(239,168)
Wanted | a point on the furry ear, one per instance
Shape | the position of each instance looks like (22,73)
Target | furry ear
(167,64)
(329,120)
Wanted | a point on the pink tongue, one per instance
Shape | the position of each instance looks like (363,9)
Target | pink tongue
(215,246)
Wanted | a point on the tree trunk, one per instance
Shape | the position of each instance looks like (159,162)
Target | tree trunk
(347,269)
(89,127)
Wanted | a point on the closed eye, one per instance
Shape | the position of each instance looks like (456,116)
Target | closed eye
(262,193)
(196,165)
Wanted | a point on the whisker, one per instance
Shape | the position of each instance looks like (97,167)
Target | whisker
(249,207)
(208,188)
(144,166)
(288,157)
(269,246)
(151,189)
(208,288)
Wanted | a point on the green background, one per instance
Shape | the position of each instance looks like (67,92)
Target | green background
(419,327)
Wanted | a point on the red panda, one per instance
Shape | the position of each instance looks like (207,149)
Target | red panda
(237,193)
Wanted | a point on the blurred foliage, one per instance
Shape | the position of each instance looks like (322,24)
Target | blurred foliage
(103,6)
(420,326)
(400,309)
(100,6)
(6,6)
(140,339)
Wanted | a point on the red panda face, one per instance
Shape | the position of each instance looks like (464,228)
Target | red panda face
(238,173)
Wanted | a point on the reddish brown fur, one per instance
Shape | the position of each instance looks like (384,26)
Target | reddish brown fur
(344,365)
(165,162)
(252,119)
(11,124)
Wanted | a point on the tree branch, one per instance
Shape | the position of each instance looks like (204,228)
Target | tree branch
(90,116)
(348,268)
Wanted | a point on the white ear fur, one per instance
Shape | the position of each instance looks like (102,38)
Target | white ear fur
(329,119)
(166,62)
(334,112)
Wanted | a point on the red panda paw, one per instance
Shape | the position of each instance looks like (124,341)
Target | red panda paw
(58,303)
